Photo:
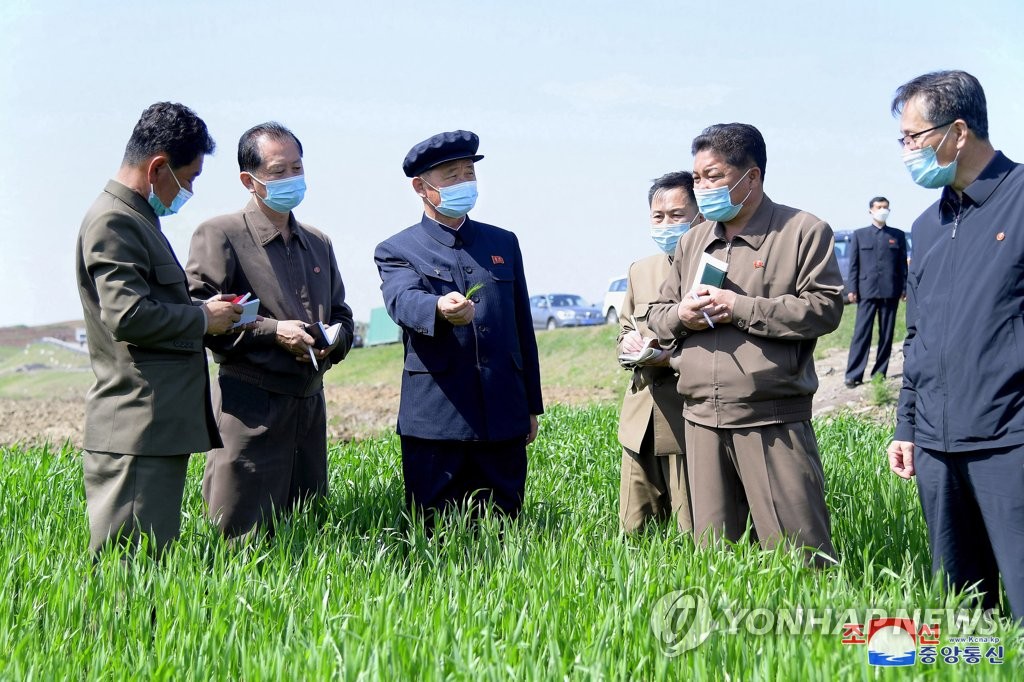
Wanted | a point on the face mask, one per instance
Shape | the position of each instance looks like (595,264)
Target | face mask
(457,200)
(285,194)
(666,236)
(881,215)
(925,169)
(716,204)
(177,202)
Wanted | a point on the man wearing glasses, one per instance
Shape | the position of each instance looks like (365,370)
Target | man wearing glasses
(960,421)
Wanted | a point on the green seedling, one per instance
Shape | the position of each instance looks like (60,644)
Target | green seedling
(475,288)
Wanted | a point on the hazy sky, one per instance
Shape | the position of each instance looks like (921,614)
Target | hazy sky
(578,106)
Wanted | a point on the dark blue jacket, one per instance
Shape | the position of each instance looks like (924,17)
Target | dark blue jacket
(878,262)
(475,382)
(963,374)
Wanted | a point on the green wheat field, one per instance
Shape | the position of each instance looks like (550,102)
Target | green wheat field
(353,590)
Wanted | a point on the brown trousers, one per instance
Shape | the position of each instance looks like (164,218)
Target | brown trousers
(771,474)
(127,496)
(274,455)
(653,487)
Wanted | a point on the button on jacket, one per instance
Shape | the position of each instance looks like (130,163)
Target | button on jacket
(479,381)
(878,262)
(963,373)
(760,368)
(243,252)
(151,395)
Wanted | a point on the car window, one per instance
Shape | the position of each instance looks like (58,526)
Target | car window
(567,300)
(618,285)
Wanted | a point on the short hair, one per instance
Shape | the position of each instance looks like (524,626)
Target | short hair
(876,200)
(249,144)
(740,144)
(672,180)
(170,128)
(947,96)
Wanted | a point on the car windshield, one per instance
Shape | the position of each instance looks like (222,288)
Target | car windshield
(566,301)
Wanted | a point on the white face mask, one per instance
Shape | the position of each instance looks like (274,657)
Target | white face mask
(880,214)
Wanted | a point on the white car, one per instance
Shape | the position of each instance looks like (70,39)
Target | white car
(613,300)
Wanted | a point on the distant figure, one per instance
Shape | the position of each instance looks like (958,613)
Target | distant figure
(269,396)
(744,349)
(471,383)
(960,421)
(877,281)
(149,408)
(653,473)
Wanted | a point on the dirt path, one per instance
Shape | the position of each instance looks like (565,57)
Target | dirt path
(359,412)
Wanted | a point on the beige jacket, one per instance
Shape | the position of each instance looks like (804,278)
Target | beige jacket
(758,369)
(651,396)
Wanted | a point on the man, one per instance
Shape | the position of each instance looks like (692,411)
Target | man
(149,408)
(269,396)
(471,383)
(877,280)
(960,421)
(653,474)
(744,350)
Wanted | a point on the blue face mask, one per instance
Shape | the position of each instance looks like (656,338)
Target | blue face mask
(667,236)
(716,203)
(177,202)
(457,200)
(285,194)
(925,169)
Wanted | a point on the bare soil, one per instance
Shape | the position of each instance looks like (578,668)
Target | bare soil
(361,411)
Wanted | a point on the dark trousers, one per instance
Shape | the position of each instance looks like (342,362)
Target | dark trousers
(274,455)
(867,310)
(973,503)
(447,473)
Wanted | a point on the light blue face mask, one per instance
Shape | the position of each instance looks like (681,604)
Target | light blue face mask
(925,169)
(667,236)
(285,194)
(716,203)
(177,202)
(457,200)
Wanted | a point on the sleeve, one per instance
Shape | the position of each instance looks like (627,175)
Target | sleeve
(527,336)
(906,408)
(211,267)
(817,307)
(904,266)
(662,319)
(121,265)
(853,272)
(408,300)
(626,312)
(340,311)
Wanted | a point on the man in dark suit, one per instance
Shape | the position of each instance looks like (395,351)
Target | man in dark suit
(149,408)
(269,394)
(471,382)
(877,280)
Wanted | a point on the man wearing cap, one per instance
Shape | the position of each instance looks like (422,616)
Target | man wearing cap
(471,382)
(269,394)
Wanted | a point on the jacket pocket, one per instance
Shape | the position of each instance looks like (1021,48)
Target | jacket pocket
(503,274)
(436,272)
(168,273)
(416,363)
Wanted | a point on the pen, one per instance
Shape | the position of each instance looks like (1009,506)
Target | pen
(706,318)
(312,356)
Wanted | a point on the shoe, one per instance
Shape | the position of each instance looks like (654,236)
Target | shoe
(853,384)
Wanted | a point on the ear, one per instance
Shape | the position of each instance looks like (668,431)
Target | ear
(247,181)
(154,166)
(419,187)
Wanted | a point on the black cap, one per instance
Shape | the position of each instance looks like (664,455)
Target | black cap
(441,148)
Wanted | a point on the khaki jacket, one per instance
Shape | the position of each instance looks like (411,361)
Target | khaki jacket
(758,369)
(651,397)
(145,335)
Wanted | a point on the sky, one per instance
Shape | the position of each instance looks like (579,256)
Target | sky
(578,105)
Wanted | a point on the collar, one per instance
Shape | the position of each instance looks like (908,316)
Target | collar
(446,235)
(133,199)
(265,230)
(754,233)
(985,184)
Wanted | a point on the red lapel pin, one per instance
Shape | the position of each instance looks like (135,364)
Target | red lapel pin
(758,264)
(497,260)
(1001,236)
(316,269)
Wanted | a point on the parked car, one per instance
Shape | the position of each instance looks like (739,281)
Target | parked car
(613,300)
(551,311)
(842,250)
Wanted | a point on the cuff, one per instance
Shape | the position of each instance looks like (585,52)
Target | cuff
(742,311)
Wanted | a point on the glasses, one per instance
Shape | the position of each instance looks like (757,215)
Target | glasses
(912,137)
